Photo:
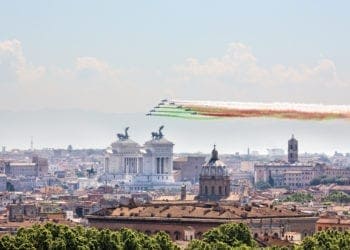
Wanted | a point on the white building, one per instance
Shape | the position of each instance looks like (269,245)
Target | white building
(124,159)
(158,160)
(134,167)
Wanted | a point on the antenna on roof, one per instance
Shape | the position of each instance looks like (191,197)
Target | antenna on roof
(31,144)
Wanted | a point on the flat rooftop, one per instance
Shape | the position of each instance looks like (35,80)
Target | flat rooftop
(22,164)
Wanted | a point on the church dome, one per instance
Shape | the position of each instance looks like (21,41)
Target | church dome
(214,167)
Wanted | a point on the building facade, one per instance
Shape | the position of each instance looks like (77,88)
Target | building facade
(294,174)
(286,174)
(178,219)
(282,174)
(190,167)
(332,223)
(135,168)
(38,167)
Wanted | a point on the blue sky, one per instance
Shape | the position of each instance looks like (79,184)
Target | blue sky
(124,56)
(163,33)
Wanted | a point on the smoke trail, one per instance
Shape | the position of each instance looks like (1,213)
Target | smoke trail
(211,109)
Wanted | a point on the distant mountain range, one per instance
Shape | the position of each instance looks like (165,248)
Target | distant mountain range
(91,129)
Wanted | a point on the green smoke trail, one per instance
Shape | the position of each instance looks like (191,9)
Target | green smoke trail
(179,112)
(184,116)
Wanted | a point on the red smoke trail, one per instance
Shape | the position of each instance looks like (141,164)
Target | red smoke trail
(207,109)
(287,114)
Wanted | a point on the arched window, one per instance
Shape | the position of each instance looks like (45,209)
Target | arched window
(206,190)
(220,190)
(177,235)
(226,191)
(212,190)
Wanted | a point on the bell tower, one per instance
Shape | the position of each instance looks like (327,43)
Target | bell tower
(292,150)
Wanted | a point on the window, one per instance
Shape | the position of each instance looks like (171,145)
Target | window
(212,190)
(177,235)
(220,190)
(158,165)
(162,165)
(206,190)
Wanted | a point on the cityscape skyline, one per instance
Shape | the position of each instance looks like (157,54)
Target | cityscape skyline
(174,124)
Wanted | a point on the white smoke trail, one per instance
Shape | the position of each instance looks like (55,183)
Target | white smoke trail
(276,106)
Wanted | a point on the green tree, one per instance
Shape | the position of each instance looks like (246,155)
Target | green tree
(309,243)
(164,241)
(58,244)
(299,197)
(338,196)
(198,245)
(232,234)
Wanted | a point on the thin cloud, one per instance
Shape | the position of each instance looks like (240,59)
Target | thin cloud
(239,64)
(93,83)
(14,66)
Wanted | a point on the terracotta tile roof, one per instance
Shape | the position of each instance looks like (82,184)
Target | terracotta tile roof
(202,211)
(337,221)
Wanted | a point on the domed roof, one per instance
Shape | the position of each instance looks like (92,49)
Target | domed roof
(214,167)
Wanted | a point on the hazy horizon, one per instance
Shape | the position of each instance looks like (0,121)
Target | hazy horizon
(58,59)
(92,129)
